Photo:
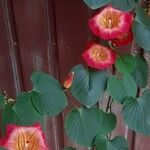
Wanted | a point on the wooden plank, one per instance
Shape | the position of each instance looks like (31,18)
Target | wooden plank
(10,64)
(10,73)
(72,35)
(38,50)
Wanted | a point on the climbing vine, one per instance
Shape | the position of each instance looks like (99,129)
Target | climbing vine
(117,24)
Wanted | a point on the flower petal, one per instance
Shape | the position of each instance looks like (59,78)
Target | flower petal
(98,56)
(110,23)
(24,138)
(124,39)
(69,80)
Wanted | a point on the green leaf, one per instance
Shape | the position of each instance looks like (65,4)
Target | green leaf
(8,117)
(141,29)
(69,148)
(89,85)
(125,5)
(136,113)
(141,72)
(26,111)
(2,101)
(121,89)
(48,96)
(2,148)
(125,64)
(107,122)
(94,4)
(82,125)
(143,18)
(118,143)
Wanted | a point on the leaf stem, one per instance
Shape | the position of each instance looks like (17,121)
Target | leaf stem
(108,104)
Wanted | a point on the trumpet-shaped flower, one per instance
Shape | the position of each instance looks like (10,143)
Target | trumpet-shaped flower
(24,138)
(110,23)
(98,56)
(124,39)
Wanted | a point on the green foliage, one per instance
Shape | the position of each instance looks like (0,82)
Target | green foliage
(118,143)
(25,110)
(141,29)
(89,85)
(2,101)
(125,64)
(120,89)
(82,125)
(136,113)
(9,116)
(141,72)
(94,4)
(125,5)
(69,148)
(2,148)
(107,122)
(47,95)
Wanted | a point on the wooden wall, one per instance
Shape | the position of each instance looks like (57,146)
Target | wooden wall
(48,35)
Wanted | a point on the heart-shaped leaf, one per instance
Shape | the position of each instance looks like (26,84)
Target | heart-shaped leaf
(118,143)
(82,125)
(47,95)
(121,89)
(125,64)
(107,122)
(141,72)
(25,110)
(141,29)
(88,85)
(136,113)
(94,4)
(125,5)
(8,117)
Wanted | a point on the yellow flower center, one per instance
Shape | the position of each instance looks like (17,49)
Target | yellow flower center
(25,140)
(109,20)
(98,54)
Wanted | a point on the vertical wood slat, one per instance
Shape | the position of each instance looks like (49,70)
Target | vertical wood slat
(53,61)
(10,72)
(72,35)
(35,26)
(12,48)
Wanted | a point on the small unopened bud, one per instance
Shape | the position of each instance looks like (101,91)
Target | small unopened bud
(69,80)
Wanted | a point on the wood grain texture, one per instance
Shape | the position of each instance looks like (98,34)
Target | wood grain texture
(50,35)
(35,25)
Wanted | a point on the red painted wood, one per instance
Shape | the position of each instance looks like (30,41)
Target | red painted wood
(49,35)
(37,43)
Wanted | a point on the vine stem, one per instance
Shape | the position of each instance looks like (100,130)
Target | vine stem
(108,104)
(110,100)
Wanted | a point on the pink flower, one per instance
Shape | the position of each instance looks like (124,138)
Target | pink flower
(24,138)
(110,23)
(69,80)
(98,56)
(124,39)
